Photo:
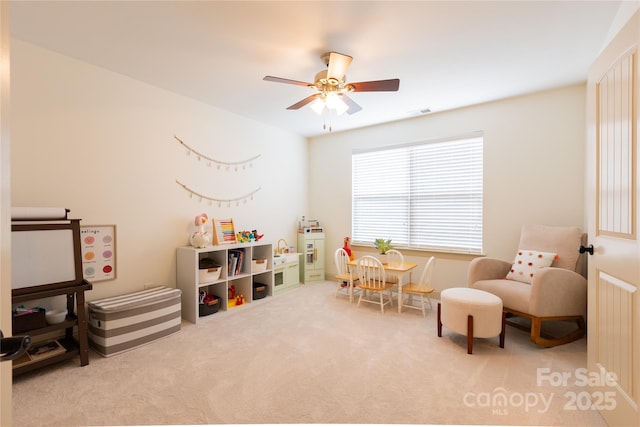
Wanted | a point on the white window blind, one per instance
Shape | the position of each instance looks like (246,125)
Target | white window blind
(421,196)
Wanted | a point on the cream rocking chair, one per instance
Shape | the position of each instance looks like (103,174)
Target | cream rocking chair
(555,293)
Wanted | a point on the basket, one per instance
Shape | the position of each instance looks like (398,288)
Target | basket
(258,265)
(210,308)
(209,274)
(259,290)
(29,321)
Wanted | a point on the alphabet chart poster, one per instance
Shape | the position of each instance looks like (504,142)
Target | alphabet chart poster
(98,243)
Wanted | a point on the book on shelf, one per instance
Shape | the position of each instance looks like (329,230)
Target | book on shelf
(236,257)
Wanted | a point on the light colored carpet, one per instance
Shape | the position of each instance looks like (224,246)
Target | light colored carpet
(307,357)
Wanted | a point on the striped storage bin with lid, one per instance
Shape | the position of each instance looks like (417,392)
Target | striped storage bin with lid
(124,322)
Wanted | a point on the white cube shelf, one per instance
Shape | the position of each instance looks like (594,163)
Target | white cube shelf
(238,269)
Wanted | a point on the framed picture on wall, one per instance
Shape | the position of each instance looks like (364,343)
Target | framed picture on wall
(224,231)
(98,244)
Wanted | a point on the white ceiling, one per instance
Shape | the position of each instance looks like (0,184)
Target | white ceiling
(446,54)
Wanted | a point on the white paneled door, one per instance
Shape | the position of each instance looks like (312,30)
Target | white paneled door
(612,206)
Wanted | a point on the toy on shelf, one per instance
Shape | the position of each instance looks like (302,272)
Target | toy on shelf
(245,236)
(207,298)
(239,300)
(201,238)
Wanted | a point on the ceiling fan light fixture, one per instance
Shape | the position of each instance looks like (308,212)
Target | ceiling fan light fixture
(341,110)
(333,101)
(317,106)
(341,107)
(329,101)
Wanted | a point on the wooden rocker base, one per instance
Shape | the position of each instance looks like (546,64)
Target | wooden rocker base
(545,340)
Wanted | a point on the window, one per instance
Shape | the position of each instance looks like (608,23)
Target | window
(421,196)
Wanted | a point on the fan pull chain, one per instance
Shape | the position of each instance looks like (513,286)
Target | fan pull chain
(326,118)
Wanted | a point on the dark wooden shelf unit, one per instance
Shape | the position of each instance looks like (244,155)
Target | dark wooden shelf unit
(79,346)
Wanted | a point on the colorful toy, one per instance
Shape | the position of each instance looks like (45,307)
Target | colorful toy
(347,249)
(243,236)
(201,238)
(207,298)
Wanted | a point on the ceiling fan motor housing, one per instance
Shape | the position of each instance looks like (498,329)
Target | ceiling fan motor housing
(322,81)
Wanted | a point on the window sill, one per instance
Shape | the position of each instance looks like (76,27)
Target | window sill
(369,250)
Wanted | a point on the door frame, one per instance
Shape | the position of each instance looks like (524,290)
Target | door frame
(6,380)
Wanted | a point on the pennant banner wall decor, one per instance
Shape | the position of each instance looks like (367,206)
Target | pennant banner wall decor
(219,163)
(219,202)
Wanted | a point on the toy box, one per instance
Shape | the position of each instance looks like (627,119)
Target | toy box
(124,322)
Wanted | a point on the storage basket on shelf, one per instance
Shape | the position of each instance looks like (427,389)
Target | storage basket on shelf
(259,290)
(208,304)
(28,320)
(208,270)
(258,265)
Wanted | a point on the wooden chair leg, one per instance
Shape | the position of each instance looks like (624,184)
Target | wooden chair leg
(469,334)
(504,328)
(439,322)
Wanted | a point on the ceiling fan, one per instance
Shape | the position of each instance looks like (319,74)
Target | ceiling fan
(331,87)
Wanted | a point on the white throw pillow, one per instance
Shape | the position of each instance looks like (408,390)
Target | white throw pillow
(526,264)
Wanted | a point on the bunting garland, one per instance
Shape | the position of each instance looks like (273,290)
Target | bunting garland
(219,202)
(219,163)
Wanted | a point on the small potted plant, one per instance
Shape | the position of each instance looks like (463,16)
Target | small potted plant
(383,245)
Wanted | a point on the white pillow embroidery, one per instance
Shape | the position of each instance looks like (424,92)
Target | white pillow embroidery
(526,264)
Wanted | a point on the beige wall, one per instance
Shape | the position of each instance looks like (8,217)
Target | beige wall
(534,149)
(102,145)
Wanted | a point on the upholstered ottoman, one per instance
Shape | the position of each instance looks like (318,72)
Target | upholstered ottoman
(471,312)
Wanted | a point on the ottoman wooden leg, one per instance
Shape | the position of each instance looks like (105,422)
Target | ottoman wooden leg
(469,334)
(503,331)
(439,322)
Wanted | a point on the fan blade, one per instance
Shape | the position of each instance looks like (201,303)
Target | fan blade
(338,64)
(304,102)
(288,81)
(353,106)
(391,85)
